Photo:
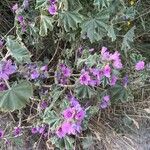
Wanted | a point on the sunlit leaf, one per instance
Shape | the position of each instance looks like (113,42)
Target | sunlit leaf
(18,50)
(41,3)
(69,20)
(127,39)
(95,27)
(17,97)
(111,32)
(84,91)
(102,3)
(118,92)
(50,117)
(45,25)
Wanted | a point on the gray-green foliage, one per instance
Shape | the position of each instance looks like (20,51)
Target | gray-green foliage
(18,50)
(16,97)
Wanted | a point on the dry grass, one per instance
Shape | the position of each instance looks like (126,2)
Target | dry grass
(111,132)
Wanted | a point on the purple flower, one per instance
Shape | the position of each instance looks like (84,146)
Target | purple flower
(80,115)
(91,49)
(17,131)
(53,1)
(85,78)
(113,80)
(105,102)
(107,71)
(117,64)
(34,130)
(73,101)
(34,74)
(22,23)
(14,7)
(93,83)
(1,133)
(20,19)
(41,130)
(9,67)
(7,142)
(52,9)
(67,128)
(115,56)
(140,65)
(97,72)
(80,50)
(69,113)
(66,71)
(23,28)
(125,80)
(63,81)
(116,60)
(77,127)
(26,4)
(105,55)
(60,133)
(6,69)
(43,104)
(44,68)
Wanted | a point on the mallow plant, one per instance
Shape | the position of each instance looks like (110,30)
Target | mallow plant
(62,66)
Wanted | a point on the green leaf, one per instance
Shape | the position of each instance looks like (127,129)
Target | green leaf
(64,143)
(129,12)
(90,61)
(50,117)
(59,143)
(70,20)
(69,143)
(18,50)
(74,5)
(101,3)
(128,38)
(111,33)
(55,94)
(84,91)
(118,92)
(17,97)
(41,3)
(95,28)
(45,25)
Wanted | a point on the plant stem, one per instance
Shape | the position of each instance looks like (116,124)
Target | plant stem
(7,84)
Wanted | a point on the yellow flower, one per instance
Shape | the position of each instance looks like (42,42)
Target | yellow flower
(128,23)
(131,2)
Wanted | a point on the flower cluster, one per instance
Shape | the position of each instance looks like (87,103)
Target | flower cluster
(22,23)
(105,102)
(63,74)
(14,8)
(33,71)
(52,9)
(140,65)
(6,69)
(43,105)
(93,76)
(109,57)
(41,130)
(72,119)
(17,131)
